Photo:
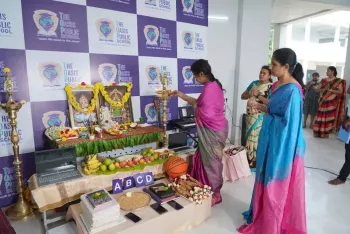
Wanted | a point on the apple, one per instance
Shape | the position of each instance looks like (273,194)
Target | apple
(107,161)
(122,164)
(111,167)
(117,165)
(151,159)
(130,164)
(142,161)
(156,156)
(135,161)
(103,167)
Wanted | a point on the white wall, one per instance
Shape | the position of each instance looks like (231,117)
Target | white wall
(222,37)
(252,51)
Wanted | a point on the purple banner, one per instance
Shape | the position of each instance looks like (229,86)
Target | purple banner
(16,61)
(118,5)
(193,12)
(45,115)
(149,112)
(8,182)
(156,37)
(115,69)
(55,26)
(186,81)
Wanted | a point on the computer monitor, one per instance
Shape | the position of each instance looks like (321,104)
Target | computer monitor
(177,140)
(186,112)
(47,161)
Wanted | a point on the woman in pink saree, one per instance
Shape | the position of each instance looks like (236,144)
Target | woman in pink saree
(212,128)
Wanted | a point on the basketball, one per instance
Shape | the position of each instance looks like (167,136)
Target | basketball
(175,167)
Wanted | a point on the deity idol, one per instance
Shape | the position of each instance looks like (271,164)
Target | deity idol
(82,119)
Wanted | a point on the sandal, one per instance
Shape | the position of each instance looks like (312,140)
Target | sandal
(336,181)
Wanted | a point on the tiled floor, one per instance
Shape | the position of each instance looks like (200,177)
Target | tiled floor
(328,207)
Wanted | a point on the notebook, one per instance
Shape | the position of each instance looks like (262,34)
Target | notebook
(344,135)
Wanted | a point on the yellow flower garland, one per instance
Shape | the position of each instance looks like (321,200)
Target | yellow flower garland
(96,89)
(114,103)
(73,101)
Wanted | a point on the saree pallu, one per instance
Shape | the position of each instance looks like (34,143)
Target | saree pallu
(278,202)
(212,130)
(254,121)
(331,108)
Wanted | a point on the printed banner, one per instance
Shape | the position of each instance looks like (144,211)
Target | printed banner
(11,27)
(187,83)
(8,181)
(150,70)
(108,69)
(117,5)
(136,108)
(156,37)
(192,41)
(55,26)
(164,9)
(79,2)
(184,103)
(112,32)
(24,130)
(149,112)
(54,113)
(16,61)
(193,11)
(49,72)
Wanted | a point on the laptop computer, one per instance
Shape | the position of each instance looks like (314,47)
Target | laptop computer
(56,165)
(178,143)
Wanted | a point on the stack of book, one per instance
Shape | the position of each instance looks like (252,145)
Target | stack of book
(99,211)
(161,193)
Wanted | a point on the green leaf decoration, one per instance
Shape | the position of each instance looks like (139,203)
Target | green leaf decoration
(94,147)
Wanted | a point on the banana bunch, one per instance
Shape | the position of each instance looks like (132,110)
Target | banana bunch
(91,164)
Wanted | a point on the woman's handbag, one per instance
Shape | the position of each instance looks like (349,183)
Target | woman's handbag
(235,163)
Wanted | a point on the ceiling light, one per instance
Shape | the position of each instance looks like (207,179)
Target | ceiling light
(216,17)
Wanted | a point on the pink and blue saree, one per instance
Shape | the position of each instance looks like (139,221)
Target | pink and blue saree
(212,130)
(278,203)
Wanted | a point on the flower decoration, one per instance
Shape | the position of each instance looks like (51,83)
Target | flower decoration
(7,70)
(96,89)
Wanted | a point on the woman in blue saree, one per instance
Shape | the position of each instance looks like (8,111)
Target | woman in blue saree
(278,203)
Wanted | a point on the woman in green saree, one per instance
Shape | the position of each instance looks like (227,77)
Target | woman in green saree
(258,91)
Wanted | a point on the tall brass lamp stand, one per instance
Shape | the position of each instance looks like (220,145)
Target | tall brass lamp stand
(21,209)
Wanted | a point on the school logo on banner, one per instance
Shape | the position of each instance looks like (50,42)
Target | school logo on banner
(151,2)
(54,119)
(107,72)
(193,41)
(188,39)
(151,113)
(113,33)
(105,28)
(51,74)
(188,5)
(46,22)
(187,75)
(151,34)
(153,74)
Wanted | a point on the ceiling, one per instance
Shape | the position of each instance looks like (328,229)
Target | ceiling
(285,11)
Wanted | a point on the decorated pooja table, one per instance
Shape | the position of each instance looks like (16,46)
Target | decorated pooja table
(170,222)
(130,138)
(56,195)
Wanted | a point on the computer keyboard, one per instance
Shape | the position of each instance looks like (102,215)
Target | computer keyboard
(59,177)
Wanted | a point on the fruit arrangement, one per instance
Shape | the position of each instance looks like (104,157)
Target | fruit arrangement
(91,164)
(124,163)
(190,188)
